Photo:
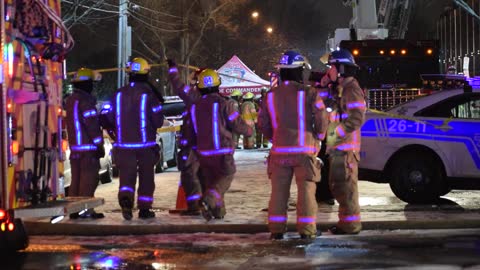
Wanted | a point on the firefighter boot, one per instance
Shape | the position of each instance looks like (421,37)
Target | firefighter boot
(127,206)
(206,211)
(146,213)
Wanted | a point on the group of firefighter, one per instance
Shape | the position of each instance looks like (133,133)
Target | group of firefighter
(303,120)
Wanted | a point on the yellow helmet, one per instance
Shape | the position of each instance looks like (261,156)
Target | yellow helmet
(86,74)
(248,95)
(138,66)
(208,78)
(236,93)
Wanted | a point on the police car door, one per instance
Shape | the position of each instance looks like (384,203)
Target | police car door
(456,132)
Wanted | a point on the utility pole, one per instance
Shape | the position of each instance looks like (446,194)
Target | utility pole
(123,43)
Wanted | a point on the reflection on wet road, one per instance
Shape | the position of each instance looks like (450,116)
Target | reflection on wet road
(437,249)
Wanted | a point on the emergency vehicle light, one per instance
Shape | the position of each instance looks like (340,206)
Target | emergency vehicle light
(356,52)
(403,51)
(429,51)
(2,227)
(11,227)
(15,147)
(382,52)
(9,107)
(64,145)
(3,214)
(10,59)
(392,52)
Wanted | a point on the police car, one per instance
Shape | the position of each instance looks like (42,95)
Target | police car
(428,146)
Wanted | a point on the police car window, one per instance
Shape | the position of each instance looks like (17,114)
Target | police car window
(466,106)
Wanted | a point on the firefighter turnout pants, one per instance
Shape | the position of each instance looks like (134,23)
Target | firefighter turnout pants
(281,171)
(84,167)
(129,161)
(189,166)
(343,182)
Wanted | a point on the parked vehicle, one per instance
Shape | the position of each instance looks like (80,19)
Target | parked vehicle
(428,146)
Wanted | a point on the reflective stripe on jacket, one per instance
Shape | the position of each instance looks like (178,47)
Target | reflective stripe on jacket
(83,128)
(294,116)
(137,115)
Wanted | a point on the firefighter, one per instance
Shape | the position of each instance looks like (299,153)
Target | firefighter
(249,114)
(347,115)
(236,95)
(137,113)
(187,161)
(85,139)
(294,117)
(214,119)
(261,140)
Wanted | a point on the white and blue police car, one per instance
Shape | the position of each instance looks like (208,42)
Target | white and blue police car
(428,146)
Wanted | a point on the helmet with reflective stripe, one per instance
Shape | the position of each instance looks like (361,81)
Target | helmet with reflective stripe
(248,95)
(292,59)
(343,57)
(208,78)
(86,74)
(236,93)
(138,66)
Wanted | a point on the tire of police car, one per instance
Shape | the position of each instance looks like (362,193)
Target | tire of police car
(430,182)
(159,166)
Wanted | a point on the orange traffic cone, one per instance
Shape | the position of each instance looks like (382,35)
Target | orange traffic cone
(181,205)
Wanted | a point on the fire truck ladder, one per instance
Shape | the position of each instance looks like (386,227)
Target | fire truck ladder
(395,15)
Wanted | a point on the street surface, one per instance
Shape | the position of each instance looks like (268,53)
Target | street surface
(396,236)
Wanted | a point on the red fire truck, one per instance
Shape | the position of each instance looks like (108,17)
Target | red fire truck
(34,43)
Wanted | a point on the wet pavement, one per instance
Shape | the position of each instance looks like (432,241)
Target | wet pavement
(246,203)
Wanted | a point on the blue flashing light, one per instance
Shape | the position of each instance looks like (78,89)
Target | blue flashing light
(301,117)
(143,118)
(107,106)
(127,189)
(216,131)
(222,151)
(78,131)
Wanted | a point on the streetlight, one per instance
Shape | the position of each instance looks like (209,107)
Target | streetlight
(269,30)
(255,14)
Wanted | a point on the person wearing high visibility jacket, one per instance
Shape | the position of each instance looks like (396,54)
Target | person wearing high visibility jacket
(187,160)
(294,116)
(249,114)
(347,115)
(236,96)
(214,119)
(137,114)
(85,138)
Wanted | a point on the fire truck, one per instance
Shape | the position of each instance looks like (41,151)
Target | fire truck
(34,43)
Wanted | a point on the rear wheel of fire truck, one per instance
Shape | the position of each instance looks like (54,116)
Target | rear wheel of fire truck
(13,240)
(417,176)
(159,167)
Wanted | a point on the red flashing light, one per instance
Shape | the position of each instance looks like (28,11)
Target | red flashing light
(64,145)
(11,227)
(3,214)
(9,107)
(15,147)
